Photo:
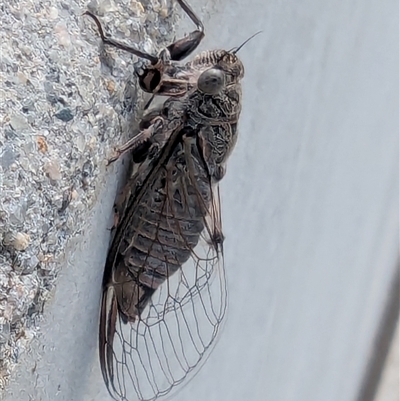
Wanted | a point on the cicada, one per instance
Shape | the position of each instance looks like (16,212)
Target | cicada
(164,292)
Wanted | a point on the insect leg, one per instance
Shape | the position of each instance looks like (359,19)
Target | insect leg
(183,47)
(138,139)
(118,45)
(147,105)
(121,201)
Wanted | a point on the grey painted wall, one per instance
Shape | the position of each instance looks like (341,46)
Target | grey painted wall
(310,214)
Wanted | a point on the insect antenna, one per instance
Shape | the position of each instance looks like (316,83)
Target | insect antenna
(236,49)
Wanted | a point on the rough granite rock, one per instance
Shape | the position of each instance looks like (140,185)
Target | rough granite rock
(65,103)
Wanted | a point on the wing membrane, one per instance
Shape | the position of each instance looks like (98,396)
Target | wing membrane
(146,358)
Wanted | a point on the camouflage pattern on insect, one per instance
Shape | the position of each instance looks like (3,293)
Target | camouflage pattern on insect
(164,291)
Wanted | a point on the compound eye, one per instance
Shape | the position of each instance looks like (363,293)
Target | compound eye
(211,81)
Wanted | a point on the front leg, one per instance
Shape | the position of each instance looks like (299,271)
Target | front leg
(183,47)
(152,79)
(142,137)
(119,45)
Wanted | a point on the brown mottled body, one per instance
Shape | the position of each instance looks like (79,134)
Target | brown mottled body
(171,203)
(201,130)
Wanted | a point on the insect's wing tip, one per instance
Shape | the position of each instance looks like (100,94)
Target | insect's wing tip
(107,329)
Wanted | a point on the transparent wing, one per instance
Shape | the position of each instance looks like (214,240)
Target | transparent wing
(146,359)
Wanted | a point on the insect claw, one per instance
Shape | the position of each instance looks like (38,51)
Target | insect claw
(114,158)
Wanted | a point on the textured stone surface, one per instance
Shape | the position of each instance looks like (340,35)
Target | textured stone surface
(65,103)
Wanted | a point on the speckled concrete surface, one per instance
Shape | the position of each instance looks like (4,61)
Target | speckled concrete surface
(63,109)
